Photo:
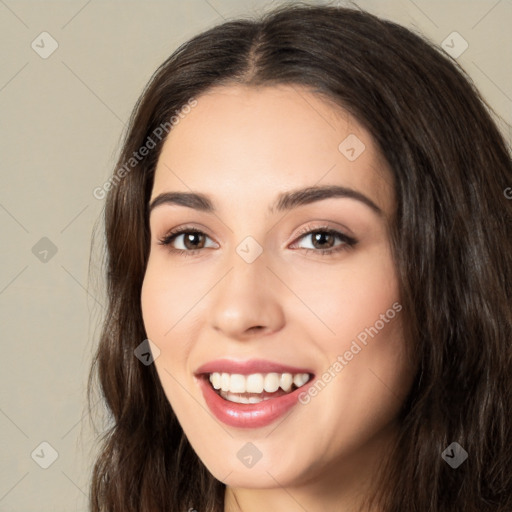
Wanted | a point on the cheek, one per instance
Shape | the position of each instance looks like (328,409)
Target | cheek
(153,299)
(368,323)
(348,298)
(370,293)
(162,313)
(163,298)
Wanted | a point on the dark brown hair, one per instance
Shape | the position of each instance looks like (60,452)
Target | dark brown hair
(451,239)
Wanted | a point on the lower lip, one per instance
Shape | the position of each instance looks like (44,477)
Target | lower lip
(248,415)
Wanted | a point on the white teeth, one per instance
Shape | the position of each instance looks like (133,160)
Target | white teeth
(224,381)
(286,381)
(300,379)
(256,383)
(240,399)
(271,382)
(215,380)
(237,383)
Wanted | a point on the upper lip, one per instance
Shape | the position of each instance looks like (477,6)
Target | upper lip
(248,367)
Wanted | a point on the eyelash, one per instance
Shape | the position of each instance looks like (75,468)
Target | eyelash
(348,242)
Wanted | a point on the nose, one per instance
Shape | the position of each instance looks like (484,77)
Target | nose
(246,302)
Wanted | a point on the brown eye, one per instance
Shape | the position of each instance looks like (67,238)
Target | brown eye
(323,240)
(193,240)
(187,240)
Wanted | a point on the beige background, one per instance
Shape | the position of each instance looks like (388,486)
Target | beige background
(62,118)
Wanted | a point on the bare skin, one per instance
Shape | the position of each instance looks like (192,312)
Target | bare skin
(296,303)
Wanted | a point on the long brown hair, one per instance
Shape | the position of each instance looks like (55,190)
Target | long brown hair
(451,241)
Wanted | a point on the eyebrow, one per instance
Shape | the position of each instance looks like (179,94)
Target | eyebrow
(285,201)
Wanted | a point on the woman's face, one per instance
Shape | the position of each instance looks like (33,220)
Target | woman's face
(272,283)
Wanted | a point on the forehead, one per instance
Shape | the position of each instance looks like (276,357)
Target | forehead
(241,141)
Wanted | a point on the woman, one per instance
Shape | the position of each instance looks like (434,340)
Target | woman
(309,278)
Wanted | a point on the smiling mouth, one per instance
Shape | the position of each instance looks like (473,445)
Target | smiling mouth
(256,387)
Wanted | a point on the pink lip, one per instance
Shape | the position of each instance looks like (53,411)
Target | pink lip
(248,367)
(248,415)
